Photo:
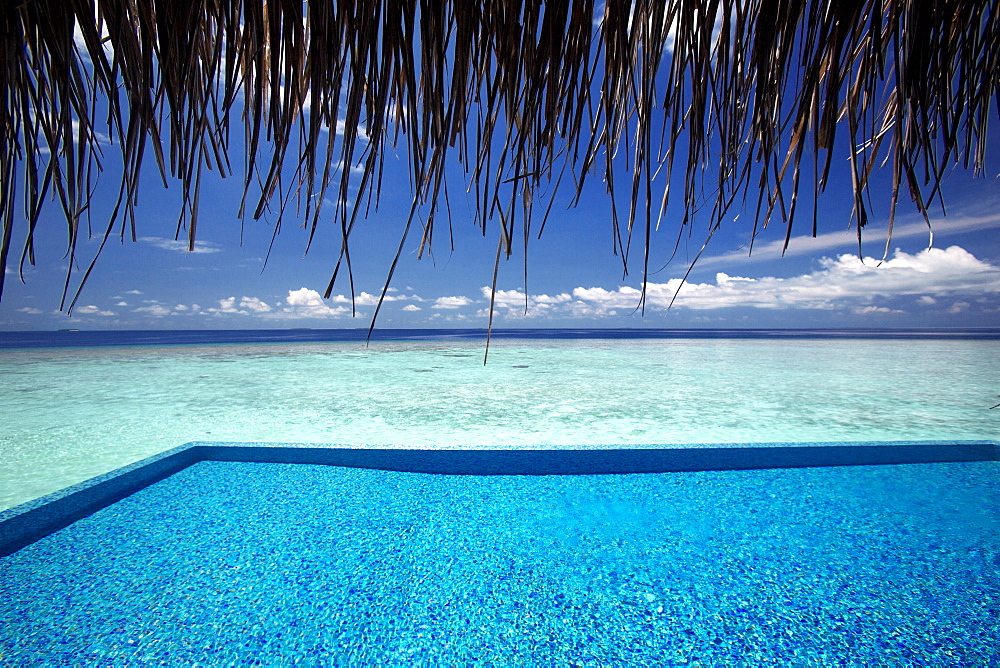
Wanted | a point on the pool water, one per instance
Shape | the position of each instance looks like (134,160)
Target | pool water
(230,562)
(69,414)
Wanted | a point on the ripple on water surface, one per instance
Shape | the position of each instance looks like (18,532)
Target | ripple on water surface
(228,562)
(70,414)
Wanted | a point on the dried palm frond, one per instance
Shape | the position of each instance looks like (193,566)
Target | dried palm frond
(525,96)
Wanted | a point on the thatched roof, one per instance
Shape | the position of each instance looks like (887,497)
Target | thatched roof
(745,98)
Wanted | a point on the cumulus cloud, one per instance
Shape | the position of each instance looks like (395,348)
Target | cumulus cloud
(304,297)
(306,303)
(843,282)
(342,125)
(412,308)
(623,297)
(254,304)
(515,304)
(515,298)
(180,246)
(99,137)
(357,168)
(227,305)
(363,299)
(830,241)
(451,302)
(133,292)
(876,310)
(839,281)
(91,310)
(30,310)
(155,310)
(301,303)
(232,305)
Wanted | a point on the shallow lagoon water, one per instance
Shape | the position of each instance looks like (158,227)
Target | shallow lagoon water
(72,413)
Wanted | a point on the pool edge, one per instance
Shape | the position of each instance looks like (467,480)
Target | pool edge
(26,523)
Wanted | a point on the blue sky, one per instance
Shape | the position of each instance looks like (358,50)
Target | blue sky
(573,279)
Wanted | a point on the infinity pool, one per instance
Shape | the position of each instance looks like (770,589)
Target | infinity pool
(231,562)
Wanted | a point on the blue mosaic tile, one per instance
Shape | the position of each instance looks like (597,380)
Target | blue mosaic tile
(30,521)
(229,562)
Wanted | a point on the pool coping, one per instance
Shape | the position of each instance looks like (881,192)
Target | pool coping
(35,519)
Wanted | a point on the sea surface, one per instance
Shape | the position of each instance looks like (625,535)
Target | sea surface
(77,404)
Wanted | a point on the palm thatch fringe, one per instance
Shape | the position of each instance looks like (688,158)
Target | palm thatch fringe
(528,97)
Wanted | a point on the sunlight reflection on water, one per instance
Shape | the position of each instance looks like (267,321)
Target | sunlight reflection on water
(70,414)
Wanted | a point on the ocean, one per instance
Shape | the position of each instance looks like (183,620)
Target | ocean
(78,404)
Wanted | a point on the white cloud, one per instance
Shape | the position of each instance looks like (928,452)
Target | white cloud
(844,282)
(92,310)
(516,298)
(232,305)
(304,297)
(254,304)
(513,302)
(227,305)
(363,299)
(121,303)
(356,169)
(951,271)
(30,310)
(451,302)
(180,246)
(623,297)
(155,310)
(873,238)
(101,138)
(133,292)
(306,303)
(361,133)
(871,310)
(81,43)
(959,307)
(412,308)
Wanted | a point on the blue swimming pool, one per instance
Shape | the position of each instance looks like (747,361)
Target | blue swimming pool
(230,562)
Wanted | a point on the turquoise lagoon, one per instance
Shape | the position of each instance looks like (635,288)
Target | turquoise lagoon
(70,413)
